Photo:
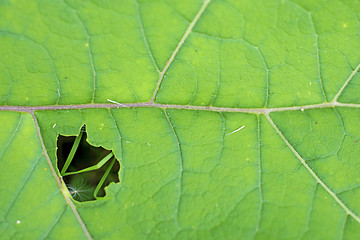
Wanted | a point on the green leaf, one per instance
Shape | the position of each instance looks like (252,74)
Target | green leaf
(230,119)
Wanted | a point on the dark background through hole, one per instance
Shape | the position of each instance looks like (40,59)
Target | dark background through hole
(85,156)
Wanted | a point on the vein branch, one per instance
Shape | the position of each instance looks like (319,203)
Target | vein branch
(144,35)
(183,39)
(88,46)
(21,188)
(12,136)
(346,83)
(181,162)
(318,57)
(317,178)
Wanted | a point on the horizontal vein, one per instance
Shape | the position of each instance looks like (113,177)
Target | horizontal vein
(317,178)
(58,181)
(30,109)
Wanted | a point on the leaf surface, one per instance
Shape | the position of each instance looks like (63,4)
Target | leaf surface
(235,119)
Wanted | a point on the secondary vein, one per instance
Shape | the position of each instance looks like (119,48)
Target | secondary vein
(172,57)
(58,181)
(346,83)
(317,178)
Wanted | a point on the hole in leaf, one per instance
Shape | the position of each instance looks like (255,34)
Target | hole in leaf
(86,169)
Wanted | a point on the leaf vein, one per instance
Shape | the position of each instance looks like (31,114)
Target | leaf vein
(182,40)
(22,187)
(315,176)
(54,223)
(144,35)
(181,163)
(12,136)
(89,47)
(59,181)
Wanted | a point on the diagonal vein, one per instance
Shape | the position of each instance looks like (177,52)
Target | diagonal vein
(11,137)
(61,214)
(346,83)
(183,39)
(59,181)
(317,178)
(20,189)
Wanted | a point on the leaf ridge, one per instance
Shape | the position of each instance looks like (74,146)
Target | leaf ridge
(88,46)
(181,164)
(218,75)
(116,125)
(309,13)
(308,214)
(144,35)
(318,56)
(343,228)
(222,136)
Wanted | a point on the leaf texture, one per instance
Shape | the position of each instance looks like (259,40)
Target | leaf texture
(230,119)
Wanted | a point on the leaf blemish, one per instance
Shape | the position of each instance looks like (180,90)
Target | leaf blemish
(85,169)
(109,100)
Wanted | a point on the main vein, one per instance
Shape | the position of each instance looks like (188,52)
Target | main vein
(31,109)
